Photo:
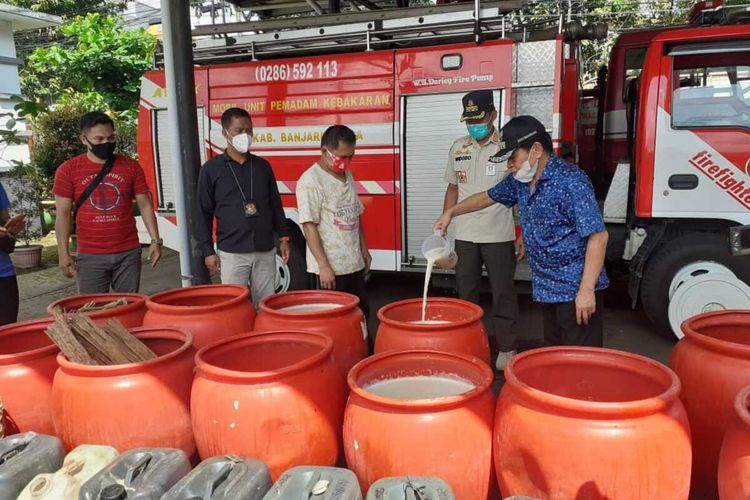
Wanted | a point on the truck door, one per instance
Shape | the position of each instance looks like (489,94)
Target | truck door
(702,148)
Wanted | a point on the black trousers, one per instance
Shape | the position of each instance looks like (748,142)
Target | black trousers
(8,300)
(500,261)
(350,283)
(561,328)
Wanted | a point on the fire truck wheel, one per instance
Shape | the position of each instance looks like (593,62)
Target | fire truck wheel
(293,274)
(681,258)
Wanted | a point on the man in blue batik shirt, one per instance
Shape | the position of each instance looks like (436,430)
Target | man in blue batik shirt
(563,231)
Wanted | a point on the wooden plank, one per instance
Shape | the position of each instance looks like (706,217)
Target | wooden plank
(61,334)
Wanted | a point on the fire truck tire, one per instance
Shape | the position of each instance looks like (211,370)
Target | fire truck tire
(293,275)
(667,262)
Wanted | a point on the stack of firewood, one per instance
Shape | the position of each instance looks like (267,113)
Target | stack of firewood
(97,306)
(82,341)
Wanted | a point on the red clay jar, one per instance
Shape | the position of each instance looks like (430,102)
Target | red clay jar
(462,333)
(446,437)
(734,459)
(210,312)
(130,314)
(344,323)
(275,396)
(27,366)
(713,363)
(133,405)
(580,422)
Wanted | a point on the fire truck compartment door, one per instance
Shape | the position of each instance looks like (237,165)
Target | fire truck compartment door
(163,155)
(430,128)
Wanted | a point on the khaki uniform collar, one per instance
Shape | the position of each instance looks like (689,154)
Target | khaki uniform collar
(494,139)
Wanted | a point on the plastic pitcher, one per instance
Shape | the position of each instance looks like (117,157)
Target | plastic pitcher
(438,249)
(79,466)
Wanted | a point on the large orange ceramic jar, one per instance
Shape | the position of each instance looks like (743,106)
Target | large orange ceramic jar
(451,325)
(734,460)
(579,422)
(129,314)
(276,396)
(134,405)
(426,424)
(713,363)
(28,361)
(335,314)
(210,312)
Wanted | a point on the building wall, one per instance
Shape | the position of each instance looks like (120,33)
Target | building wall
(9,86)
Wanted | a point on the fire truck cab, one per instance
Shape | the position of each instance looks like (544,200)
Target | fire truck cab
(686,208)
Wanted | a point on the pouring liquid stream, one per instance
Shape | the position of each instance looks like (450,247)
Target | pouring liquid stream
(432,257)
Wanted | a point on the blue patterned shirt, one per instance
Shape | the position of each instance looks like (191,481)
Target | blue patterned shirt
(556,219)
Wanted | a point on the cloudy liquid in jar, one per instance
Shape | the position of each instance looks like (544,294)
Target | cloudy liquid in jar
(308,308)
(420,387)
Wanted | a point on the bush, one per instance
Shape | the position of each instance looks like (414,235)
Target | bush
(29,187)
(57,136)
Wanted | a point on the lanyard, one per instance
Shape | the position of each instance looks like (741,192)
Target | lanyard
(228,163)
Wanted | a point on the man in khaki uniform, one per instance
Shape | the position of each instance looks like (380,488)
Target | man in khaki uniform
(485,237)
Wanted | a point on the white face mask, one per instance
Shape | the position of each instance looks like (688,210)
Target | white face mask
(526,173)
(242,142)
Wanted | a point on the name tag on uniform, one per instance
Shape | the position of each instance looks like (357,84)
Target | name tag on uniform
(490,168)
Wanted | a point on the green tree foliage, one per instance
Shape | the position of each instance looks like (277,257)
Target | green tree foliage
(618,15)
(98,55)
(57,133)
(97,66)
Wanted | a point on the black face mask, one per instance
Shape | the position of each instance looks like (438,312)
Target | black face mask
(104,151)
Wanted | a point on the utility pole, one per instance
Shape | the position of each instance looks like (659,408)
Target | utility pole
(183,133)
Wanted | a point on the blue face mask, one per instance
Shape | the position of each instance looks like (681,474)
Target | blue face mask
(479,131)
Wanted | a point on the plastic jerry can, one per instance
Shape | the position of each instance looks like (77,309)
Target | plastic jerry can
(139,474)
(410,488)
(23,456)
(319,483)
(223,478)
(79,466)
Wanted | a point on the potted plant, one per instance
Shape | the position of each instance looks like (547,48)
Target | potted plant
(27,187)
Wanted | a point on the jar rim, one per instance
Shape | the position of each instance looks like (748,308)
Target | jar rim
(638,364)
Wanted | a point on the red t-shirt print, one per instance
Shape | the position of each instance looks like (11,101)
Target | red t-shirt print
(105,222)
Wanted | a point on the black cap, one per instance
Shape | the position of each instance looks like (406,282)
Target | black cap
(519,131)
(477,105)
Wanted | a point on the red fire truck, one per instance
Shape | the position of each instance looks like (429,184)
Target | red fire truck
(675,211)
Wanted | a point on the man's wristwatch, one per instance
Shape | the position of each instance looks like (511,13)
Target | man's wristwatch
(157,241)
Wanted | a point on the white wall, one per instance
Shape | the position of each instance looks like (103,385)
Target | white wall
(9,86)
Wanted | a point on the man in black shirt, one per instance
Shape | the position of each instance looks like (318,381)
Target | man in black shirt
(239,189)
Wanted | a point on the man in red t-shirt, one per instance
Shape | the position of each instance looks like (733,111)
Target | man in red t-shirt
(109,254)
